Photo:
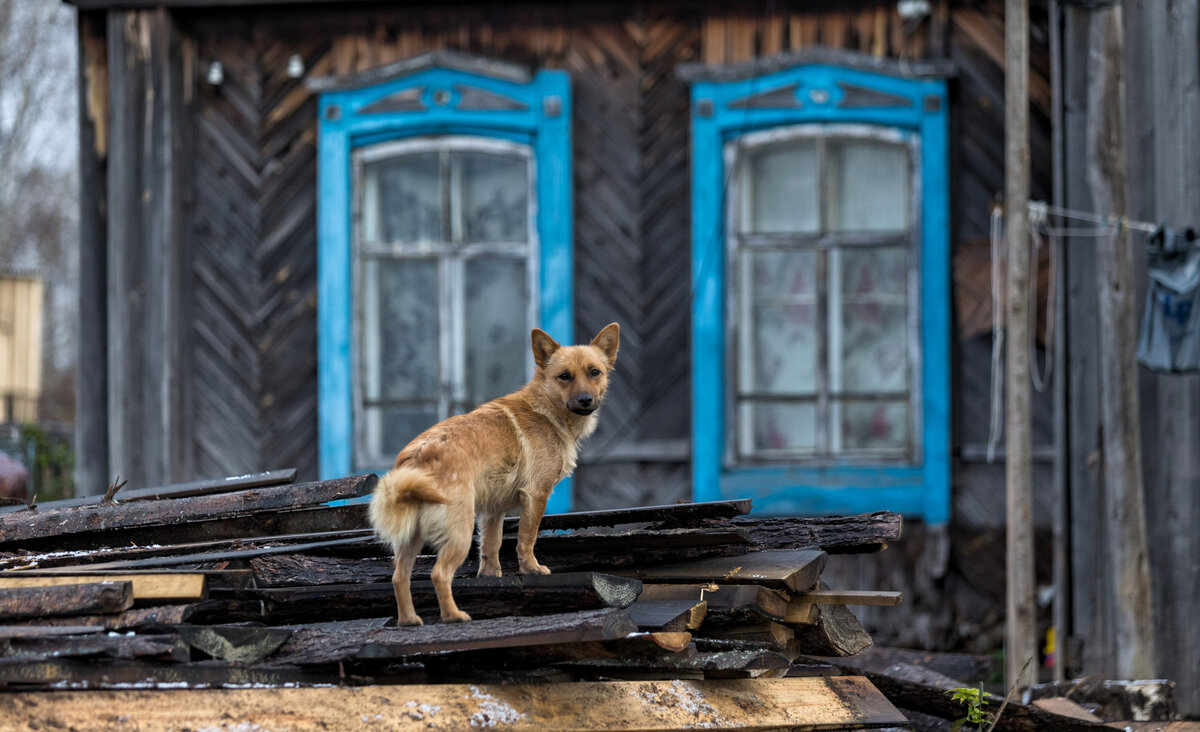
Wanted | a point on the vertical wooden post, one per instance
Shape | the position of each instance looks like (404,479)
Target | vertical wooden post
(1020,641)
(1125,513)
(91,395)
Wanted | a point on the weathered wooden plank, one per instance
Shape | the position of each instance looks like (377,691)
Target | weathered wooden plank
(34,631)
(36,602)
(89,523)
(835,632)
(850,597)
(158,615)
(483,597)
(329,643)
(673,514)
(834,534)
(176,490)
(924,691)
(618,706)
(174,587)
(60,674)
(668,615)
(726,603)
(797,570)
(158,647)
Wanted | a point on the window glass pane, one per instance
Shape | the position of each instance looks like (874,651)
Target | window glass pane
(400,329)
(402,199)
(497,348)
(872,184)
(386,430)
(779,331)
(874,337)
(495,197)
(874,426)
(781,189)
(779,429)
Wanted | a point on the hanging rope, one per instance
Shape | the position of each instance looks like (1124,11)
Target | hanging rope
(996,231)
(1037,219)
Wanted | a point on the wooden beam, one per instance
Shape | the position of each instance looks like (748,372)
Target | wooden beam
(92,597)
(668,615)
(332,643)
(480,597)
(49,528)
(796,570)
(866,532)
(731,601)
(127,620)
(675,513)
(1020,628)
(175,490)
(850,597)
(179,587)
(759,704)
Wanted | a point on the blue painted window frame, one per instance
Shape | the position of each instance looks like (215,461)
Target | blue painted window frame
(722,110)
(535,111)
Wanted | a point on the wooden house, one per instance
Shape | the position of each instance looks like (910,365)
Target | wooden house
(311,228)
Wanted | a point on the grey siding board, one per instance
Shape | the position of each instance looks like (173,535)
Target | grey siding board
(147,430)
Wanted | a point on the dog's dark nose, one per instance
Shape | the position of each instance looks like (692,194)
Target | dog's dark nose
(584,401)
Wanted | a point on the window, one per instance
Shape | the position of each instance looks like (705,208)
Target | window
(820,328)
(822,233)
(445,265)
(443,235)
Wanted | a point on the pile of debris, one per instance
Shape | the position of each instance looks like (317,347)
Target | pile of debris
(693,609)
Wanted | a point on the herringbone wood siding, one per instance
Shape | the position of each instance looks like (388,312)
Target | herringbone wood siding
(254,257)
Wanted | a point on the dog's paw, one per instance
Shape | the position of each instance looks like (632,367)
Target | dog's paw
(489,570)
(534,568)
(409,620)
(458,616)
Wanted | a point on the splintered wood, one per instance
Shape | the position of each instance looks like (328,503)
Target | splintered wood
(221,585)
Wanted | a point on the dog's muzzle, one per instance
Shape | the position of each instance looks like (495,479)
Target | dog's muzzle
(583,405)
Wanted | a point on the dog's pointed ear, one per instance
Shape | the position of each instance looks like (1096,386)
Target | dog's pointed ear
(543,347)
(608,341)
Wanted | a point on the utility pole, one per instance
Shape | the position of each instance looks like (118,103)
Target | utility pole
(1020,641)
(1125,512)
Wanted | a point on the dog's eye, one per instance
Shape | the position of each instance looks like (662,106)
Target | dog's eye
(595,373)
(565,376)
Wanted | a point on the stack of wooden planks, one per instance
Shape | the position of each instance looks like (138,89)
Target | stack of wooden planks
(257,581)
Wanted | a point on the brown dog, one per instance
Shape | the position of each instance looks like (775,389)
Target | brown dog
(506,453)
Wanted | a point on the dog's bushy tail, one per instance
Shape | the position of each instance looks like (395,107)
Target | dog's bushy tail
(396,502)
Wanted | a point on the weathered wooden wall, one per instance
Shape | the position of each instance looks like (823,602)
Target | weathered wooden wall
(242,374)
(1162,83)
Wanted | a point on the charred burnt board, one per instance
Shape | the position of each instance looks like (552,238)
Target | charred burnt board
(331,643)
(728,605)
(65,673)
(37,602)
(283,570)
(128,620)
(925,691)
(176,490)
(189,519)
(668,615)
(159,647)
(480,597)
(678,514)
(108,556)
(868,532)
(796,570)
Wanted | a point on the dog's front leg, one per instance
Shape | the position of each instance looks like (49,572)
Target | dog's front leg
(491,530)
(533,505)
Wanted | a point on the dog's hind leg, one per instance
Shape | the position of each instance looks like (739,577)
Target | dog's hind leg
(491,529)
(450,558)
(406,557)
